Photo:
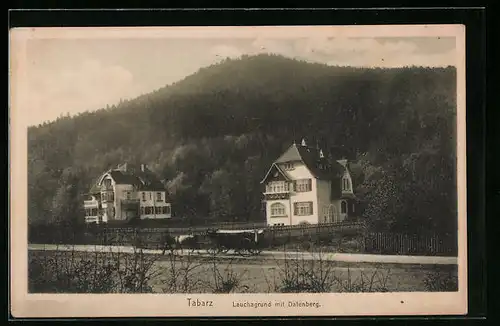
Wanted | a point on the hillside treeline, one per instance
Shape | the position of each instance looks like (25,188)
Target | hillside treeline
(212,136)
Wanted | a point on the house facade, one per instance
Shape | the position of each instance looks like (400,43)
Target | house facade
(305,185)
(127,193)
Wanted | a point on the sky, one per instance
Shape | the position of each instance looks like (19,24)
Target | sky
(69,75)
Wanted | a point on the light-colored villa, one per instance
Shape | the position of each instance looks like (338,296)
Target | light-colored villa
(304,185)
(126,193)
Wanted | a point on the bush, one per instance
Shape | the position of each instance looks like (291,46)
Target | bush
(95,272)
(441,281)
(318,275)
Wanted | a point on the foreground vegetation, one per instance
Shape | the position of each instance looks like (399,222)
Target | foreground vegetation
(138,272)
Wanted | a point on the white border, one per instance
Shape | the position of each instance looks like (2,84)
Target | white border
(122,305)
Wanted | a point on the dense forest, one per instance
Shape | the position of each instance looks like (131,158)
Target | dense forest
(212,136)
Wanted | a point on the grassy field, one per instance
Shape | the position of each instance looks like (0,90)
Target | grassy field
(101,272)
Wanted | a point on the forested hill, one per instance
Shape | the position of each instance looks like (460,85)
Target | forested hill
(212,136)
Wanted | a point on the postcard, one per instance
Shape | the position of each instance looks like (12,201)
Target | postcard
(238,171)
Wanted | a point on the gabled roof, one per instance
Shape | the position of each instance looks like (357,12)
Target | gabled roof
(274,165)
(121,177)
(320,167)
(144,180)
(292,154)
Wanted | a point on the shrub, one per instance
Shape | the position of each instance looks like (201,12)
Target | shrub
(318,275)
(441,281)
(95,272)
(227,280)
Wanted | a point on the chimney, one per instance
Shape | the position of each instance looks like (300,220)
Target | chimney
(143,167)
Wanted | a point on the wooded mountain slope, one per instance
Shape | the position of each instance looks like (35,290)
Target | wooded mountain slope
(213,135)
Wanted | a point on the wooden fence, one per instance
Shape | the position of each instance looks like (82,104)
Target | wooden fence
(405,244)
(301,229)
(377,243)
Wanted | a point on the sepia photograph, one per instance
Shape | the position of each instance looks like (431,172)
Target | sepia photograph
(238,171)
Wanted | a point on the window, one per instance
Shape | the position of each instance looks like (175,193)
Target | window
(277,186)
(343,207)
(345,184)
(157,210)
(288,166)
(143,196)
(278,209)
(149,210)
(91,212)
(107,183)
(128,195)
(158,196)
(303,185)
(107,196)
(303,208)
(167,210)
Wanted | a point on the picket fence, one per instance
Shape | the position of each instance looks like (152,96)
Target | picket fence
(405,244)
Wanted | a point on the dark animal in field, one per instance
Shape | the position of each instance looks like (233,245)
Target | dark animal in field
(180,242)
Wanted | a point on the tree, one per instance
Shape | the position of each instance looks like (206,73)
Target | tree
(67,205)
(220,187)
(213,135)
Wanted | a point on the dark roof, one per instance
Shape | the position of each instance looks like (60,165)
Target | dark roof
(121,177)
(149,181)
(292,154)
(321,167)
(144,180)
(94,189)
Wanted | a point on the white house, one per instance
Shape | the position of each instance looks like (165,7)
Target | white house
(304,185)
(126,193)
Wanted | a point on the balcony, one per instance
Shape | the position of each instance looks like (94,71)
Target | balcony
(276,195)
(90,204)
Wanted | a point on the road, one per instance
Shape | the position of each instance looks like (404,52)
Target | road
(272,255)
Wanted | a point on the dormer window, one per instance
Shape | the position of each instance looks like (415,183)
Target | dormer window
(288,166)
(345,184)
